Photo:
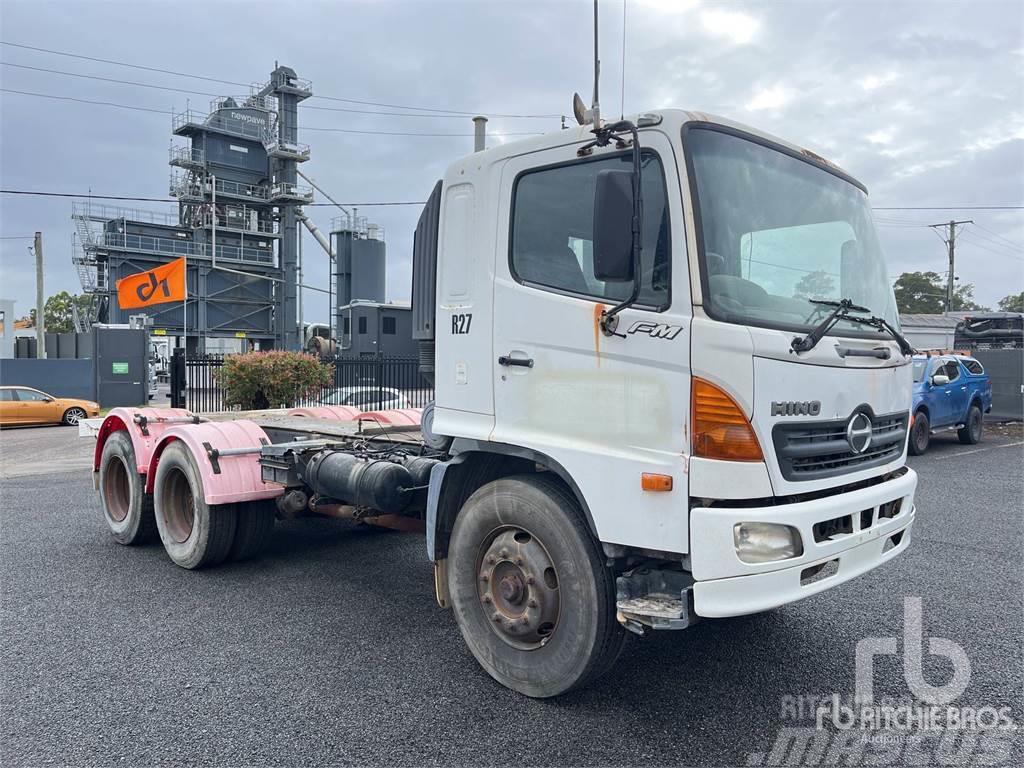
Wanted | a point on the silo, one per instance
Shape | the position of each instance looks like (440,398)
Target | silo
(360,268)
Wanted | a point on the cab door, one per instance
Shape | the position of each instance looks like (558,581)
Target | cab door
(37,407)
(606,409)
(10,413)
(958,394)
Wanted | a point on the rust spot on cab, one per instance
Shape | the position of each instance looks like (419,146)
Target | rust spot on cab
(598,311)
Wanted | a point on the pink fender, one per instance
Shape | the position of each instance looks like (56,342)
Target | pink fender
(400,417)
(333,412)
(123,419)
(239,477)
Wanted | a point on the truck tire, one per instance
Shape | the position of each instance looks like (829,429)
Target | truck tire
(531,593)
(253,528)
(127,508)
(970,433)
(194,533)
(920,435)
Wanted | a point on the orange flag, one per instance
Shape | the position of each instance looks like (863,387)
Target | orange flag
(157,286)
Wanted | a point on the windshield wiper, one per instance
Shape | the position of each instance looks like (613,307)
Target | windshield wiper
(830,303)
(842,309)
(882,325)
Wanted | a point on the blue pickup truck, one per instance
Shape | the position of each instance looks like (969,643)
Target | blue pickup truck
(950,392)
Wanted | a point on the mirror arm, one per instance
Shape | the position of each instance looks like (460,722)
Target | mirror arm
(609,319)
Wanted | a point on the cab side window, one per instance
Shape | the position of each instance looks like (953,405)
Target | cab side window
(7,395)
(553,231)
(974,367)
(30,396)
(952,370)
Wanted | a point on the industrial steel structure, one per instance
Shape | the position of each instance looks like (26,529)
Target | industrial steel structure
(237,224)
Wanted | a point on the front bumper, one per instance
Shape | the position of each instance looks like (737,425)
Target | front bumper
(726,586)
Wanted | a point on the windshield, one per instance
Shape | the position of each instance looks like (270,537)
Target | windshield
(777,232)
(919,368)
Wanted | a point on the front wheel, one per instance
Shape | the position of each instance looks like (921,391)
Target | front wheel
(970,433)
(72,416)
(920,435)
(531,593)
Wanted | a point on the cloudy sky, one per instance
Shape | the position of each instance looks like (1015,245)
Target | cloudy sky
(924,102)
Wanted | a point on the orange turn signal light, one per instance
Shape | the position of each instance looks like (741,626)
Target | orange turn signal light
(720,428)
(658,483)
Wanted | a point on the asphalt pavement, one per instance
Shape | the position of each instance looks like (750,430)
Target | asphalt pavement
(330,649)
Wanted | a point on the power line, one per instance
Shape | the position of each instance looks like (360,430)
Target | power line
(94,196)
(948,208)
(1007,240)
(986,246)
(305,128)
(464,113)
(994,252)
(191,92)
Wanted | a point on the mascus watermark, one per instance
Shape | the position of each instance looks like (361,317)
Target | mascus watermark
(924,728)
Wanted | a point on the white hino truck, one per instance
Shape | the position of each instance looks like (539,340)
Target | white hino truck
(670,385)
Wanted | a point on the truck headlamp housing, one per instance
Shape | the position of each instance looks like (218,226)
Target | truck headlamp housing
(720,428)
(766,542)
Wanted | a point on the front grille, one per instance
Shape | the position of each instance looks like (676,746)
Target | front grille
(816,450)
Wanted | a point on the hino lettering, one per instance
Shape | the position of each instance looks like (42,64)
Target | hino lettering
(792,408)
(576,484)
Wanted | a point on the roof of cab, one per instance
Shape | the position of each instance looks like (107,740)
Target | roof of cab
(672,120)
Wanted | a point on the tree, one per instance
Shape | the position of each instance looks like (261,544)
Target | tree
(814,285)
(1012,303)
(58,311)
(272,379)
(925,292)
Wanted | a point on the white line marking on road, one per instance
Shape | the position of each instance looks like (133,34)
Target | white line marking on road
(979,450)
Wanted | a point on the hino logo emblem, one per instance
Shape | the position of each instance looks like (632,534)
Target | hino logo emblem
(795,408)
(858,432)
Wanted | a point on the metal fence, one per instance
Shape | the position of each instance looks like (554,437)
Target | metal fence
(367,383)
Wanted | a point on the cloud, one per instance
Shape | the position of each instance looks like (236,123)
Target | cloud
(735,26)
(770,98)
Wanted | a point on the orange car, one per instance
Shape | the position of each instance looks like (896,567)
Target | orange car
(24,405)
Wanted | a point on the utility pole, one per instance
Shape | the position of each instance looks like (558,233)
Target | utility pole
(40,300)
(951,244)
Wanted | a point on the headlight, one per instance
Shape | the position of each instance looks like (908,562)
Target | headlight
(766,542)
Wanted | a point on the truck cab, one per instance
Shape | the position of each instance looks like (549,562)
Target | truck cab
(717,465)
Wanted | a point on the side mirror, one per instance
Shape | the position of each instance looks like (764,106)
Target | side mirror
(613,225)
(939,379)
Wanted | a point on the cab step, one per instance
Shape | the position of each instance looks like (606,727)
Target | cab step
(654,598)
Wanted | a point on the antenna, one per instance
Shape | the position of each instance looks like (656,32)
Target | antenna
(622,95)
(595,107)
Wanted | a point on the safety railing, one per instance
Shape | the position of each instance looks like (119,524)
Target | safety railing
(287,191)
(187,156)
(234,123)
(164,246)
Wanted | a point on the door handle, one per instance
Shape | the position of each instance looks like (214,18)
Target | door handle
(521,362)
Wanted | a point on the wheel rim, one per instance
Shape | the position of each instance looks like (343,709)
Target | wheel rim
(920,436)
(179,507)
(518,588)
(74,416)
(117,490)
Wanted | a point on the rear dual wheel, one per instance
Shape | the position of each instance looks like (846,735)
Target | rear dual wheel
(127,508)
(196,534)
(531,593)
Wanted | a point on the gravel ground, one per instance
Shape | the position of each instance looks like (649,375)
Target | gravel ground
(331,650)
